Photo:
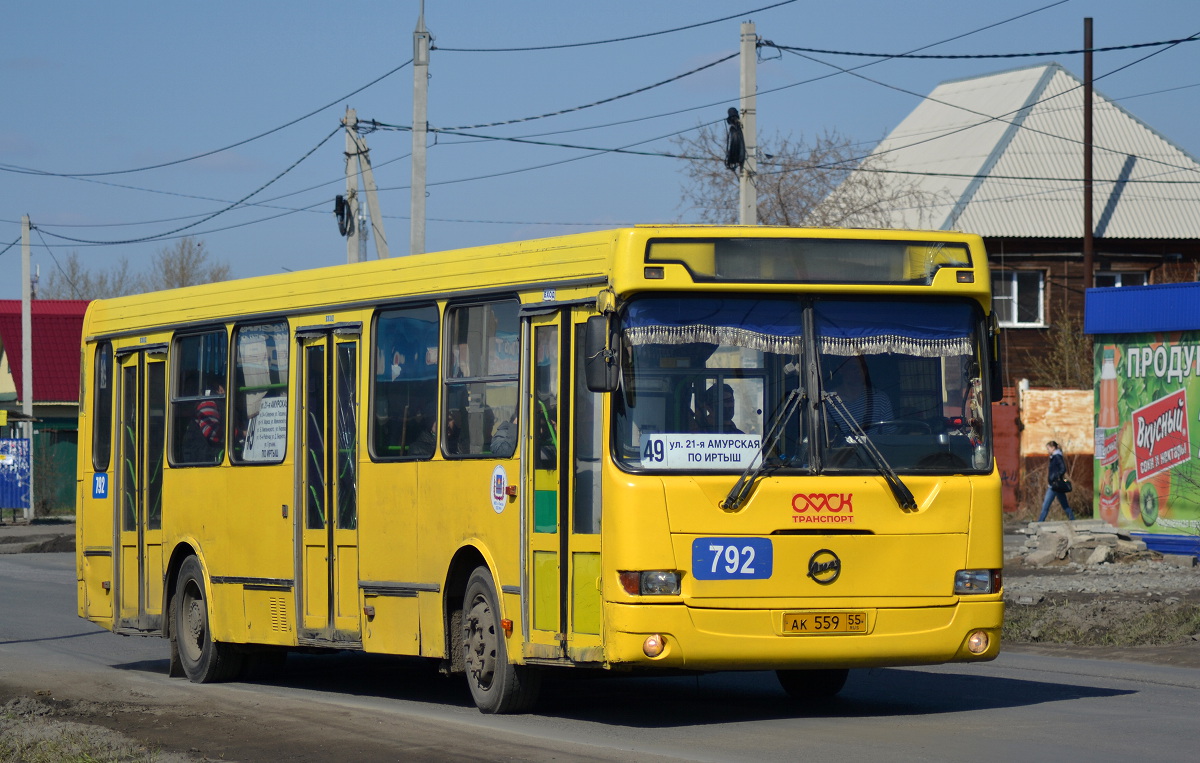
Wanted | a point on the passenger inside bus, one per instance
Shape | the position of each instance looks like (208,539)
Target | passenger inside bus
(714,412)
(870,406)
(504,439)
(425,425)
(203,442)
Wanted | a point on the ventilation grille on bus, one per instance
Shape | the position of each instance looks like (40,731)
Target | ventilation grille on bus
(279,619)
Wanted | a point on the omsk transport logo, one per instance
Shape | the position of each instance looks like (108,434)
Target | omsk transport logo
(823,508)
(824,567)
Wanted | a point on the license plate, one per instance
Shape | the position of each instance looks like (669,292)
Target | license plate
(817,623)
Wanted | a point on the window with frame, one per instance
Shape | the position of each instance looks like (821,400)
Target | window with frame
(102,408)
(198,406)
(480,360)
(260,394)
(1113,278)
(1018,298)
(404,383)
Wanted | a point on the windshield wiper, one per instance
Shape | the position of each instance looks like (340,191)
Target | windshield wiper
(741,490)
(904,496)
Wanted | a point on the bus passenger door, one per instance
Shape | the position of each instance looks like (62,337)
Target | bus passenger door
(141,417)
(327,476)
(562,475)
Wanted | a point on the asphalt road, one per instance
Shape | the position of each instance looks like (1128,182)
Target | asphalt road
(360,707)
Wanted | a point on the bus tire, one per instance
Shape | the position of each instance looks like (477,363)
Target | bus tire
(202,659)
(497,686)
(812,685)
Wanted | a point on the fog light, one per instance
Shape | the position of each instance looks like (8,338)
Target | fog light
(976,581)
(653,645)
(977,643)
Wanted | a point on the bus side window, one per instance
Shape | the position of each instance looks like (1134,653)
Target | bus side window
(480,376)
(198,410)
(260,394)
(404,383)
(102,408)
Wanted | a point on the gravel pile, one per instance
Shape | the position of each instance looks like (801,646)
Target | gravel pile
(1148,577)
(1091,557)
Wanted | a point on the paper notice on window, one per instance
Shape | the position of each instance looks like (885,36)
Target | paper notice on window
(266,434)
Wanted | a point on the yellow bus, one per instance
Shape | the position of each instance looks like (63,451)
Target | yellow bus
(658,448)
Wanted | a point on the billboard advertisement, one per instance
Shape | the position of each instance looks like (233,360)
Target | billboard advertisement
(1147,413)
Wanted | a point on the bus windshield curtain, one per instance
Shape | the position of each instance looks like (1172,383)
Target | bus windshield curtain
(873,328)
(763,325)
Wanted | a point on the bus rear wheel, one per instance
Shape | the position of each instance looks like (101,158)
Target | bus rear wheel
(497,686)
(202,659)
(812,685)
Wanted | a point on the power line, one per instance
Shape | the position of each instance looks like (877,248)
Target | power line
(615,39)
(792,49)
(595,152)
(161,236)
(29,171)
(10,246)
(602,101)
(988,118)
(1001,117)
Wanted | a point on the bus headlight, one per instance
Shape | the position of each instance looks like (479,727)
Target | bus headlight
(976,581)
(650,582)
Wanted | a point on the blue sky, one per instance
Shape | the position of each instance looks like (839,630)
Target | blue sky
(110,87)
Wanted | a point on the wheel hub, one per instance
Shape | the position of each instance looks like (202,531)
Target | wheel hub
(479,644)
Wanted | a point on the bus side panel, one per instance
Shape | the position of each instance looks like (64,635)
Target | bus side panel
(255,540)
(985,542)
(388,554)
(454,510)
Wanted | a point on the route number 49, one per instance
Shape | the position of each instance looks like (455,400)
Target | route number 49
(732,558)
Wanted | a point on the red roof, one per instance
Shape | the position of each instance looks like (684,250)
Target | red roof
(57,328)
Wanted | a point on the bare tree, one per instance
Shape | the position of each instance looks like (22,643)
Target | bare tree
(183,264)
(1066,361)
(800,183)
(71,280)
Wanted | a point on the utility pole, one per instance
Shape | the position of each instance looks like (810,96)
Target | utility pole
(420,126)
(747,193)
(351,218)
(1089,243)
(27,352)
(358,163)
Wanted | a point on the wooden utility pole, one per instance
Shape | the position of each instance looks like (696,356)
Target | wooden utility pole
(358,163)
(747,192)
(353,233)
(1088,226)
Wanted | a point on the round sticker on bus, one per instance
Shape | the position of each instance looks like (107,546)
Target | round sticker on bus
(499,488)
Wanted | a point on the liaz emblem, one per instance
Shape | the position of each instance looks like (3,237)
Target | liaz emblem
(824,567)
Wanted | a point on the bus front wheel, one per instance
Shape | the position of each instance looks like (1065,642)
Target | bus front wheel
(202,659)
(812,685)
(497,686)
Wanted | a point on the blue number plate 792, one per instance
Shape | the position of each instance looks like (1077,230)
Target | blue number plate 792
(732,558)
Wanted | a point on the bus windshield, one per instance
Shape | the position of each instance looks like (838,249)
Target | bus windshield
(704,378)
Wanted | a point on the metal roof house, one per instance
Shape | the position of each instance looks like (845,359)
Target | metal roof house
(1001,155)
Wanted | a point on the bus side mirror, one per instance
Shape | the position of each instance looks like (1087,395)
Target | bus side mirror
(995,365)
(600,357)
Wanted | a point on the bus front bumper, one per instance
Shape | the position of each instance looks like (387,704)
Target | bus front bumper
(694,638)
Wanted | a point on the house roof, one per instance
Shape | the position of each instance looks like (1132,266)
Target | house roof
(1007,150)
(57,326)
